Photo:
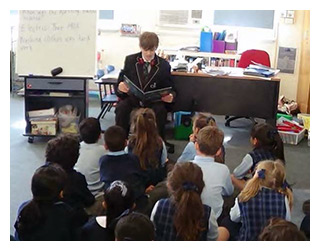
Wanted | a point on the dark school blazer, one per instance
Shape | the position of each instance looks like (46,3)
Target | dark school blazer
(159,75)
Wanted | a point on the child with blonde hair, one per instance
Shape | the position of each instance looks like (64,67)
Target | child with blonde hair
(267,145)
(264,196)
(199,121)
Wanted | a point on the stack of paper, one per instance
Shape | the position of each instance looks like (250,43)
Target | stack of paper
(42,113)
(217,71)
(260,70)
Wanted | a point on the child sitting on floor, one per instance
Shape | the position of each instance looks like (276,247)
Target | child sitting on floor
(118,202)
(279,229)
(183,216)
(119,165)
(146,143)
(264,196)
(134,227)
(267,145)
(46,217)
(90,153)
(64,150)
(88,161)
(200,120)
(216,176)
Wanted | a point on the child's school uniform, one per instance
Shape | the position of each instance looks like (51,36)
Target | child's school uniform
(96,228)
(162,217)
(155,175)
(77,195)
(88,165)
(254,213)
(217,180)
(250,161)
(57,224)
(122,166)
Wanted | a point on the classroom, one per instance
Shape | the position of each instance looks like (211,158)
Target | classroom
(175,95)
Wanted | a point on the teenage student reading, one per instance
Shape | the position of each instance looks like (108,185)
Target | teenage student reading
(148,72)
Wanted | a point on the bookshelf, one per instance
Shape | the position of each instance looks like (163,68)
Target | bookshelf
(212,59)
(43,93)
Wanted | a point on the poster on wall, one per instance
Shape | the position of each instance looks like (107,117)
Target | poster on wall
(130,30)
(286,59)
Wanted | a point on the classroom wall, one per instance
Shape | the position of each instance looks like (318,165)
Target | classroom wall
(115,47)
(290,35)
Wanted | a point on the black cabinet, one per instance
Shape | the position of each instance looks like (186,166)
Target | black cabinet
(54,92)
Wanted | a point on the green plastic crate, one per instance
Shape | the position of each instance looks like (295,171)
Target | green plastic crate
(182,132)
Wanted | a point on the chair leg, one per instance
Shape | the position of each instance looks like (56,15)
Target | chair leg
(102,111)
(170,146)
(229,119)
(106,110)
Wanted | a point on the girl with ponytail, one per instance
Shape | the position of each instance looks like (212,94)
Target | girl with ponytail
(146,143)
(45,217)
(183,216)
(267,145)
(266,195)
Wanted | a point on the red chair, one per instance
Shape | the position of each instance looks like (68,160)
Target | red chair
(247,58)
(257,56)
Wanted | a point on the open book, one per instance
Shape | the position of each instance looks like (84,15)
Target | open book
(260,70)
(154,95)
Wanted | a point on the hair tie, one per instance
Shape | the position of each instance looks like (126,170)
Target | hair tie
(262,174)
(272,133)
(285,185)
(121,185)
(210,118)
(190,186)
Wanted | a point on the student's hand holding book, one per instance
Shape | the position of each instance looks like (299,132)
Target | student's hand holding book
(123,87)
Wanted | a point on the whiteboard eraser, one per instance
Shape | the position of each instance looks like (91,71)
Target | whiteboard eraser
(56,71)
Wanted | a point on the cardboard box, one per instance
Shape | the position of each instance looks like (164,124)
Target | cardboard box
(44,127)
(218,46)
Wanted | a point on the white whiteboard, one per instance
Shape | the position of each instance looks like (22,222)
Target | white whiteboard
(57,38)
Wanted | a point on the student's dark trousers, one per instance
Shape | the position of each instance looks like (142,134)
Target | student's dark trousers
(127,105)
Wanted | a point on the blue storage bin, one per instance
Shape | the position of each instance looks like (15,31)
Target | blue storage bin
(206,41)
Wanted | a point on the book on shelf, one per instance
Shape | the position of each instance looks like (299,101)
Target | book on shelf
(59,94)
(42,113)
(260,70)
(154,95)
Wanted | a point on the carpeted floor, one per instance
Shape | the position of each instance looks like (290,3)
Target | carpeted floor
(26,157)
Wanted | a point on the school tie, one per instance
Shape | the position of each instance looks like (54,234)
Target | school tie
(146,70)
